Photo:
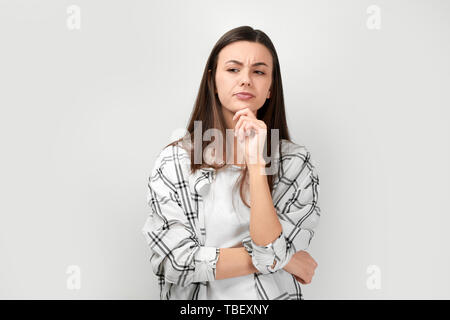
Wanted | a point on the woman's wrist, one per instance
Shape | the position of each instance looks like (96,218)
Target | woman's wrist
(287,267)
(258,168)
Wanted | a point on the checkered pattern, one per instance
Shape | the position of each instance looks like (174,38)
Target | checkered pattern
(175,232)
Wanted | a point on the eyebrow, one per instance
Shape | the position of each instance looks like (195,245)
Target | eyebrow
(253,65)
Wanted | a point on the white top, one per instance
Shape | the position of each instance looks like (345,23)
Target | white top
(226,225)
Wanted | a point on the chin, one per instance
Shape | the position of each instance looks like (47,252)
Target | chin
(243,107)
(235,109)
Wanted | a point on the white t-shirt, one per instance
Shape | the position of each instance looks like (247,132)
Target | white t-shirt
(226,226)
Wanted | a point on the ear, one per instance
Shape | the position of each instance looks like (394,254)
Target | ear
(268,95)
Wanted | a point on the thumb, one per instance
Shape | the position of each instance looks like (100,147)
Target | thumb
(299,279)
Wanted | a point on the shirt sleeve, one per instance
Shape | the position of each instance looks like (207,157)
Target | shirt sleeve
(296,202)
(175,250)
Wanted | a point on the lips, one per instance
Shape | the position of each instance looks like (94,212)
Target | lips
(244,95)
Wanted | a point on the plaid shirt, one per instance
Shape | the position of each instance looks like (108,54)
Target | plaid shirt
(175,232)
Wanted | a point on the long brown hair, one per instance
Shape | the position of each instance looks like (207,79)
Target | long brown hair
(208,110)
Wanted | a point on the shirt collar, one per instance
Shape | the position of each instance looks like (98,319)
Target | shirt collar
(201,179)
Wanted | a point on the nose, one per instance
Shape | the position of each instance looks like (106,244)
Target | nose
(245,81)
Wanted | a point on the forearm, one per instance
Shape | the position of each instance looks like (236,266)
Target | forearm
(234,262)
(265,226)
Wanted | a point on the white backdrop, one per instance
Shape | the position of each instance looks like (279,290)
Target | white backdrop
(84,112)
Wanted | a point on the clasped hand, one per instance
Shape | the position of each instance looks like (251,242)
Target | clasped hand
(251,134)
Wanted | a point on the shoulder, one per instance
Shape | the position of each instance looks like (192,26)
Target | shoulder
(294,158)
(172,160)
(290,148)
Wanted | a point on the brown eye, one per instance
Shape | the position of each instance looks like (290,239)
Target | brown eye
(257,71)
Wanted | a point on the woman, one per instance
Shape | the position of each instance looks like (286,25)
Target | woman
(235,224)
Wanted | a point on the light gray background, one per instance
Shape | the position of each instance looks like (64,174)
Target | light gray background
(85,112)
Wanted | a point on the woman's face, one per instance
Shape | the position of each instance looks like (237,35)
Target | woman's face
(243,66)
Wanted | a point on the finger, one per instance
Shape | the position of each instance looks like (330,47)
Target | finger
(239,113)
(239,124)
(242,130)
(299,279)
(240,121)
(239,129)
(247,112)
(245,129)
(259,125)
(260,132)
(262,124)
(249,127)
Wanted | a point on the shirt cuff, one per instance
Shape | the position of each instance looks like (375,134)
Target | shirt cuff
(269,258)
(205,260)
